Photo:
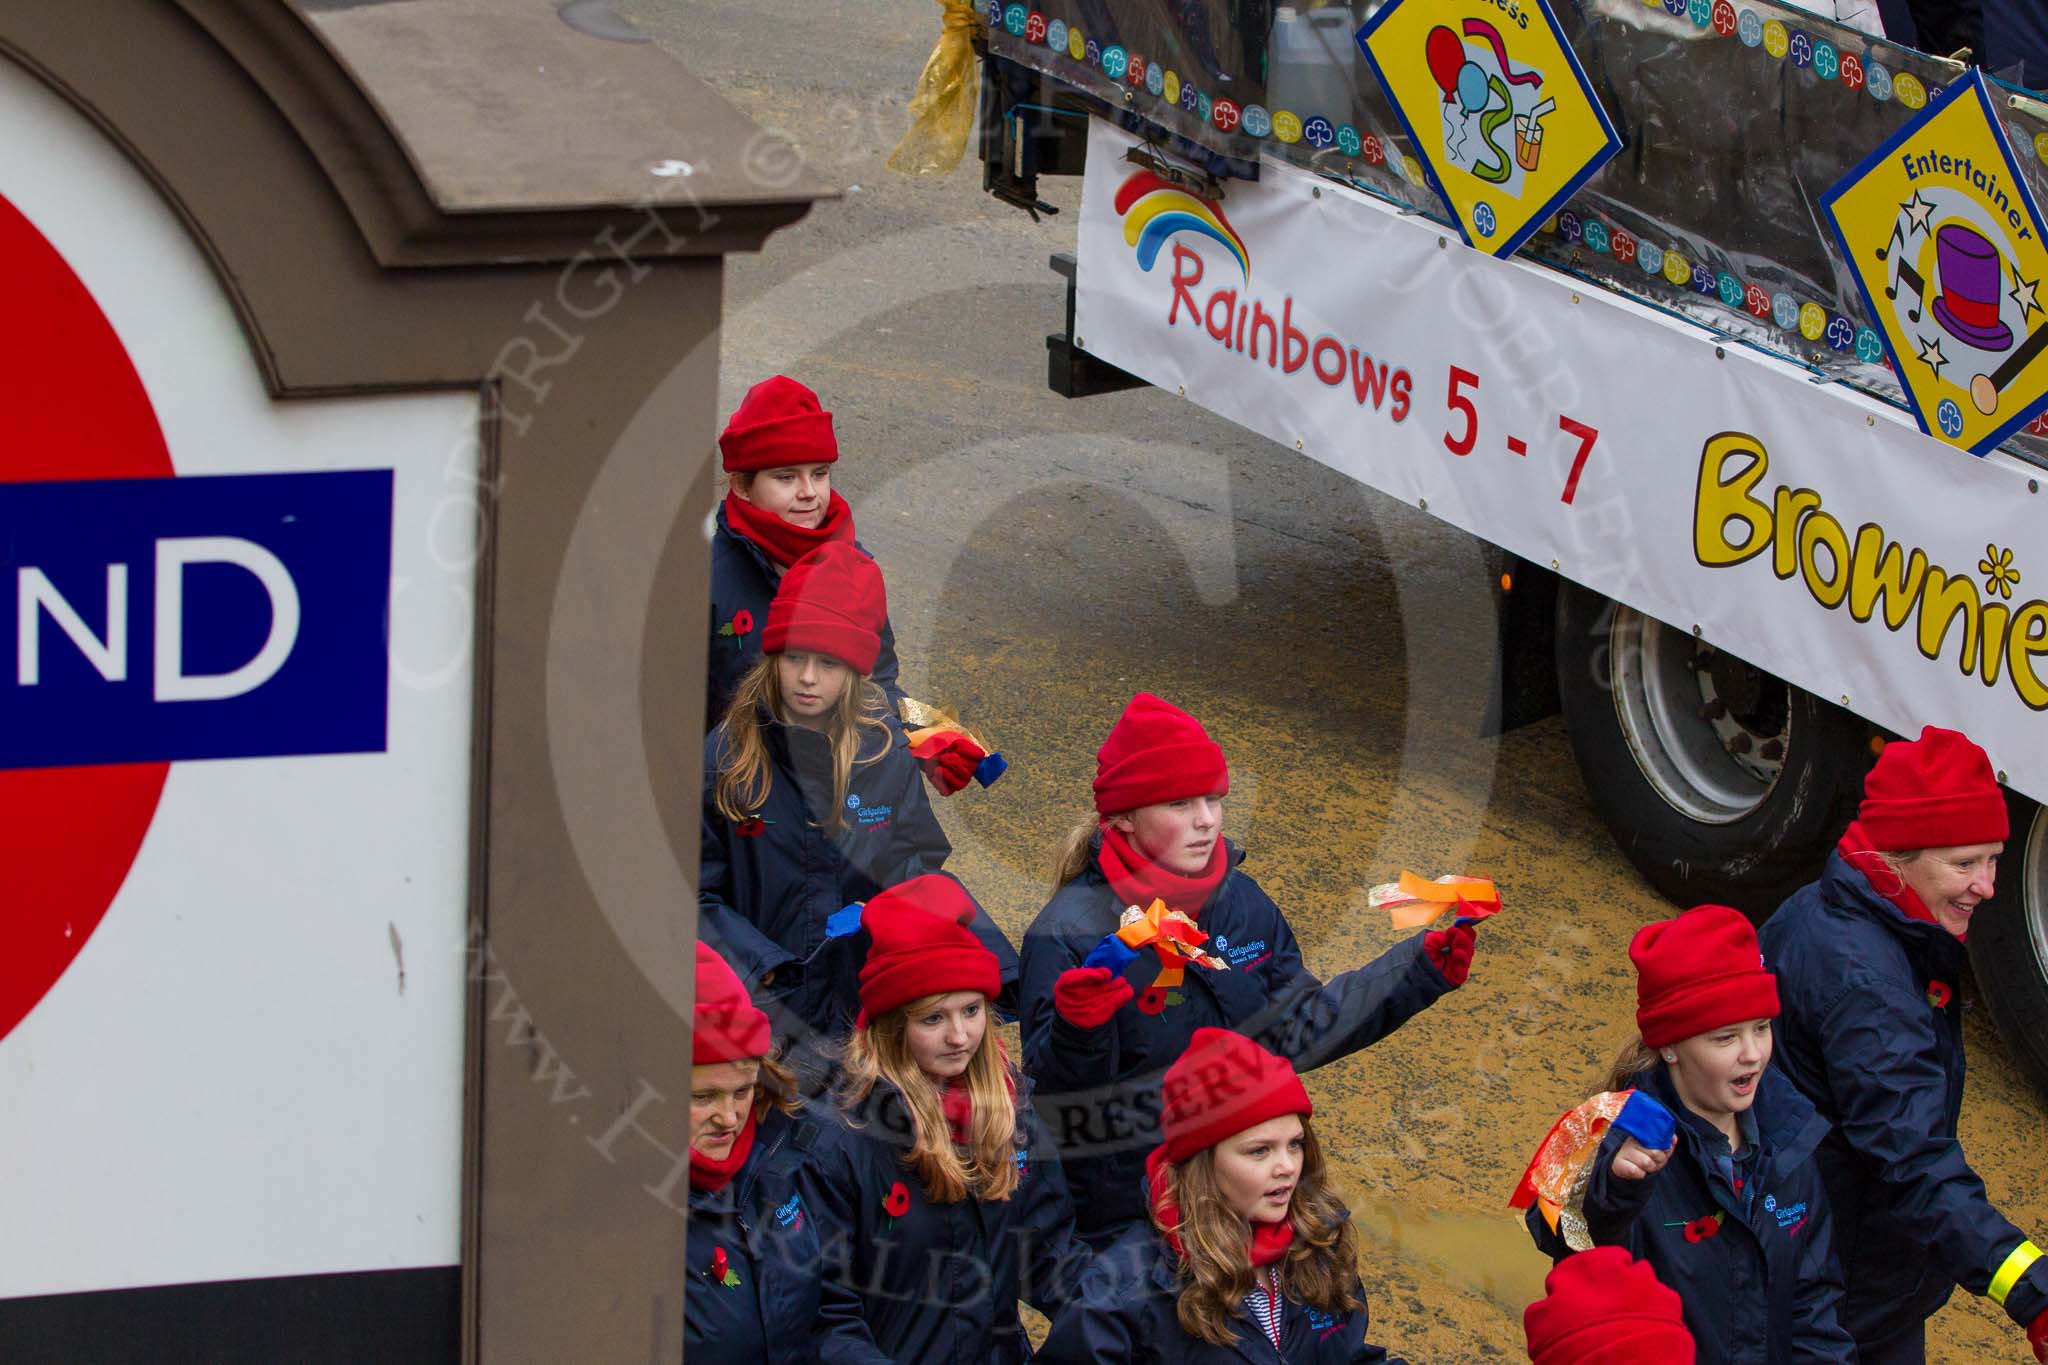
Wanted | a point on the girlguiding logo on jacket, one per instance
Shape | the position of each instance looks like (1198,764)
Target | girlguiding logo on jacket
(1789,1216)
(1240,954)
(867,817)
(790,1216)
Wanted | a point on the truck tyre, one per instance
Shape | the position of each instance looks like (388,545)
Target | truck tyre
(1720,782)
(2009,942)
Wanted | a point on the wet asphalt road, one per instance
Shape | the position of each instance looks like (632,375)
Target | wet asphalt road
(1046,558)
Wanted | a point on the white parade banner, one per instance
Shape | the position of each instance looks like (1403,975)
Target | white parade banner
(1806,528)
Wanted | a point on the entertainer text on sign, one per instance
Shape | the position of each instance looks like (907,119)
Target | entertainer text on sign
(1494,99)
(1947,246)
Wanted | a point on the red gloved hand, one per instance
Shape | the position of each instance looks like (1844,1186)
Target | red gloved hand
(949,759)
(2037,1337)
(1089,997)
(1450,951)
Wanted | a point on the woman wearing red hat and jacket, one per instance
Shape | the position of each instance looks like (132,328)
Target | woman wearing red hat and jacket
(812,801)
(751,1289)
(778,451)
(1870,958)
(941,1193)
(1248,1254)
(1604,1307)
(1733,1216)
(1096,1038)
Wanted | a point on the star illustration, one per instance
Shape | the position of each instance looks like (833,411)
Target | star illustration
(1930,354)
(2022,293)
(1917,211)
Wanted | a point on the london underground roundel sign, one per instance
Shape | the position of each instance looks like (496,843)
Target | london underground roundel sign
(71,408)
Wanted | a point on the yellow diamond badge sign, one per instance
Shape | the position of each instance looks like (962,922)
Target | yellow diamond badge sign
(1494,99)
(1946,244)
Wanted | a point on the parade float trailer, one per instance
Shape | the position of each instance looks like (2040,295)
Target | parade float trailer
(1715,322)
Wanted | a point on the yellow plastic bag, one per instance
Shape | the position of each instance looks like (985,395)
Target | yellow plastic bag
(942,109)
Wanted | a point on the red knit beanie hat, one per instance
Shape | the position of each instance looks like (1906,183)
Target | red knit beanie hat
(922,946)
(1156,752)
(832,602)
(1933,792)
(724,1024)
(1604,1307)
(1223,1084)
(1699,972)
(778,423)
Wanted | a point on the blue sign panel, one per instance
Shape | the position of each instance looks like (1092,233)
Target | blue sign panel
(230,616)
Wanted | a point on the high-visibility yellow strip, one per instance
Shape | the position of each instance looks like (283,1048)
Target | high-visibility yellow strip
(2015,1266)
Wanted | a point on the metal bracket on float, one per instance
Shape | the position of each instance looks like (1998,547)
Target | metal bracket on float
(1199,183)
(1070,371)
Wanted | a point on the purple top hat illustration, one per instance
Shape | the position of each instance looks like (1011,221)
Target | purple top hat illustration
(1970,272)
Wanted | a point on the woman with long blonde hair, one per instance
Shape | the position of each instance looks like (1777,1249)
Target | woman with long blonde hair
(1248,1254)
(941,1190)
(812,802)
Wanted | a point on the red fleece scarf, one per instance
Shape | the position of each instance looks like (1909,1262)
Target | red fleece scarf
(1267,1243)
(710,1175)
(1856,851)
(957,1102)
(782,541)
(1139,882)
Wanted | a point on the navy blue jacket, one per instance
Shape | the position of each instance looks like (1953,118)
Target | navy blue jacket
(1099,1088)
(763,899)
(1124,1314)
(743,579)
(935,1284)
(1764,1287)
(771,1242)
(1862,1039)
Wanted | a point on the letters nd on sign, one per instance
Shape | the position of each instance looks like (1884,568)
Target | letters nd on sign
(232,616)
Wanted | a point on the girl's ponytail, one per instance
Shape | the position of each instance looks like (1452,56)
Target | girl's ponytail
(1635,1058)
(1076,852)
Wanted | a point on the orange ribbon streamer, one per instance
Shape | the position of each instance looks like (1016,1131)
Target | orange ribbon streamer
(1414,901)
(1170,934)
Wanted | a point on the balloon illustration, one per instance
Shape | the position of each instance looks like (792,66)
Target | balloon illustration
(1446,54)
(1472,92)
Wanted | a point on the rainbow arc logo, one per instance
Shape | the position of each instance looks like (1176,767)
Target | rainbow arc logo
(1154,209)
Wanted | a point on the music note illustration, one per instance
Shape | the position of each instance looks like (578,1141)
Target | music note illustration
(1884,253)
(1909,277)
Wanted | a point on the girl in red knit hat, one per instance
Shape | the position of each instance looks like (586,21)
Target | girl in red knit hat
(751,1288)
(778,451)
(1733,1215)
(1247,1255)
(1871,957)
(943,1192)
(779,506)
(1101,1021)
(812,802)
(1604,1307)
